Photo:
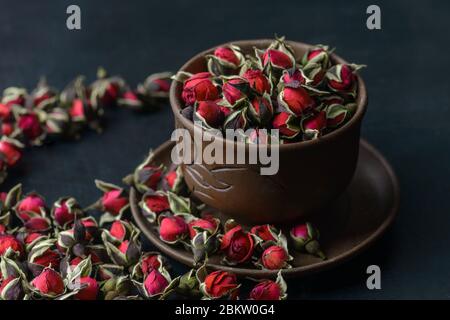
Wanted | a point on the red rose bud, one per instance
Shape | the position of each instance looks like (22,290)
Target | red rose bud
(285,123)
(30,206)
(261,110)
(33,238)
(123,247)
(296,100)
(10,152)
(341,77)
(173,228)
(318,55)
(9,242)
(328,100)
(11,289)
(37,224)
(266,290)
(305,238)
(7,128)
(160,84)
(65,210)
(238,245)
(293,78)
(49,282)
(120,230)
(114,201)
(89,290)
(219,284)
(275,257)
(236,120)
(14,96)
(234,90)
(49,258)
(130,99)
(265,232)
(155,283)
(174,180)
(277,58)
(199,87)
(105,91)
(209,113)
(314,125)
(155,89)
(2,229)
(77,110)
(257,80)
(154,203)
(43,97)
(5,111)
(150,262)
(338,114)
(208,224)
(225,60)
(149,176)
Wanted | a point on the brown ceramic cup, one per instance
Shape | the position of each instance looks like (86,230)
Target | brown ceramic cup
(311,175)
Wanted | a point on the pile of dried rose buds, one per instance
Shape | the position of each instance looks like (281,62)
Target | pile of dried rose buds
(64,252)
(303,98)
(46,114)
(181,221)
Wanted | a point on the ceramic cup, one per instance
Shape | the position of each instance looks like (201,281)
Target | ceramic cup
(311,175)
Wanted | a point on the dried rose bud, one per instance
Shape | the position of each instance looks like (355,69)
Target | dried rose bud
(49,283)
(172,229)
(43,96)
(305,238)
(65,210)
(105,91)
(155,89)
(261,110)
(11,289)
(121,230)
(287,125)
(114,201)
(277,59)
(209,113)
(293,78)
(174,180)
(314,125)
(225,60)
(338,114)
(275,257)
(235,90)
(236,120)
(154,203)
(219,284)
(5,112)
(30,206)
(204,224)
(342,78)
(37,224)
(266,290)
(238,245)
(10,149)
(155,283)
(265,232)
(258,81)
(14,96)
(199,87)
(10,243)
(130,99)
(7,129)
(296,100)
(149,262)
(90,289)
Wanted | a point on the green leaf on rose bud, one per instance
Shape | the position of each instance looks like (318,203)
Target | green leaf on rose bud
(180,205)
(189,285)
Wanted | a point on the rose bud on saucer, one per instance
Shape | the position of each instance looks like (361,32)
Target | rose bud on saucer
(341,78)
(296,100)
(225,60)
(314,125)
(270,290)
(220,285)
(208,224)
(9,244)
(153,204)
(199,87)
(305,238)
(10,150)
(235,90)
(172,229)
(32,205)
(48,283)
(275,257)
(237,245)
(174,180)
(287,125)
(209,113)
(257,80)
(89,289)
(265,232)
(261,110)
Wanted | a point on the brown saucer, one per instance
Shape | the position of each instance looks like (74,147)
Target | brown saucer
(355,221)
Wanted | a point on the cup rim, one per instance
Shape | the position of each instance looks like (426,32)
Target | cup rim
(361,99)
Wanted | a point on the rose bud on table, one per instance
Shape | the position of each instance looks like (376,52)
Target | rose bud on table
(225,60)
(148,262)
(10,246)
(14,96)
(105,91)
(65,210)
(10,150)
(154,91)
(30,127)
(114,201)
(31,206)
(305,237)
(48,284)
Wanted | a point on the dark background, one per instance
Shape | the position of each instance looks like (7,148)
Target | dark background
(407,119)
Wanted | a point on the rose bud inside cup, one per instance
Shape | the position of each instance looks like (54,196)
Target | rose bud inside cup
(225,60)
(261,110)
(275,257)
(227,54)
(220,284)
(314,125)
(293,78)
(172,229)
(237,245)
(235,90)
(341,78)
(10,152)
(266,290)
(199,87)
(286,124)
(277,58)
(49,283)
(257,80)
(209,113)
(296,100)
